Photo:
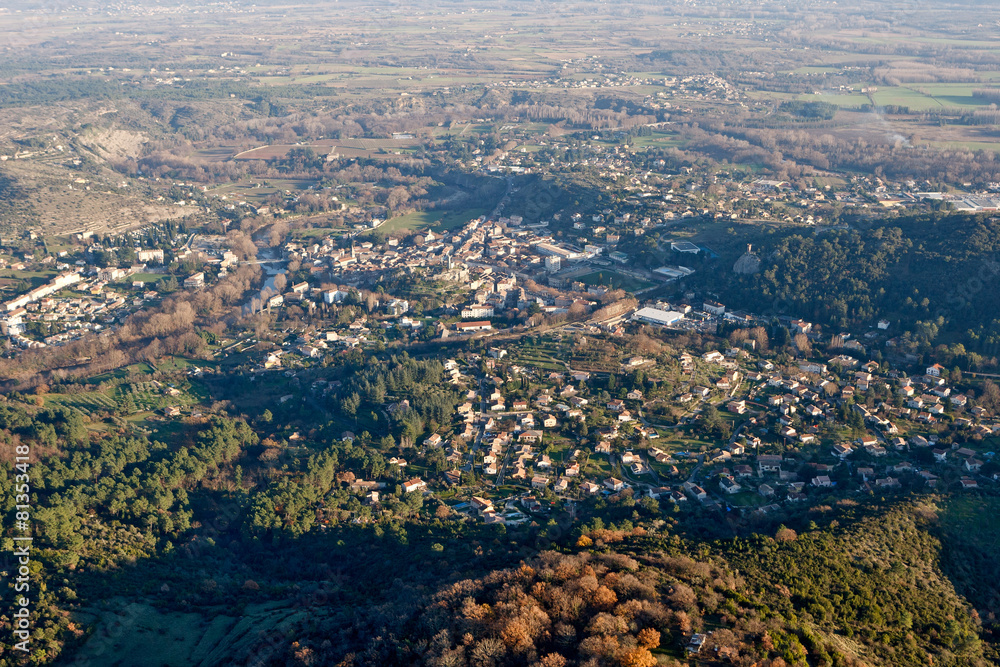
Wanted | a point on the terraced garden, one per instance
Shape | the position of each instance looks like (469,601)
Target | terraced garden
(84,404)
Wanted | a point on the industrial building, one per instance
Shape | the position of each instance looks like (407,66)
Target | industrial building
(656,316)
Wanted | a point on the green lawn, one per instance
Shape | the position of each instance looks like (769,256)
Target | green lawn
(598,466)
(434,220)
(540,356)
(746,499)
(614,281)
(170,364)
(147,277)
(658,139)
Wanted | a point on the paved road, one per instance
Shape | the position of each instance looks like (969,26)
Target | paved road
(478,441)
(701,461)
(506,461)
(503,200)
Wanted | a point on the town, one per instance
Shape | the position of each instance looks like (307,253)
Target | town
(739,427)
(638,334)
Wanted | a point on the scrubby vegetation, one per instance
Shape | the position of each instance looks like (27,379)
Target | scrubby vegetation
(929,274)
(871,595)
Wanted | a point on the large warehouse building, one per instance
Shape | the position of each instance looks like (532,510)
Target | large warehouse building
(656,316)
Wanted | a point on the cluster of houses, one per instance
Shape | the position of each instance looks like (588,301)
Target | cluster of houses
(776,457)
(70,306)
(787,415)
(511,436)
(483,258)
(83,297)
(449,254)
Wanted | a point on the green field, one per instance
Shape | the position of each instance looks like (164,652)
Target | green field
(538,359)
(434,220)
(146,395)
(916,96)
(747,499)
(966,145)
(140,634)
(849,100)
(657,138)
(147,277)
(614,281)
(929,96)
(86,403)
(313,233)
(125,371)
(258,191)
(33,278)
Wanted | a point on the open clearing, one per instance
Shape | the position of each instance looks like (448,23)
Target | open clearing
(368,148)
(614,280)
(140,635)
(433,220)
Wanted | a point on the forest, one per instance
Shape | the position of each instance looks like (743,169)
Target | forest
(930,275)
(631,595)
(843,585)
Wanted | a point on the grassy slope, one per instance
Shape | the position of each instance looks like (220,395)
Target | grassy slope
(969,528)
(434,220)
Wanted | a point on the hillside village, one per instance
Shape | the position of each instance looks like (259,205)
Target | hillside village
(639,334)
(730,429)
(718,423)
(789,443)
